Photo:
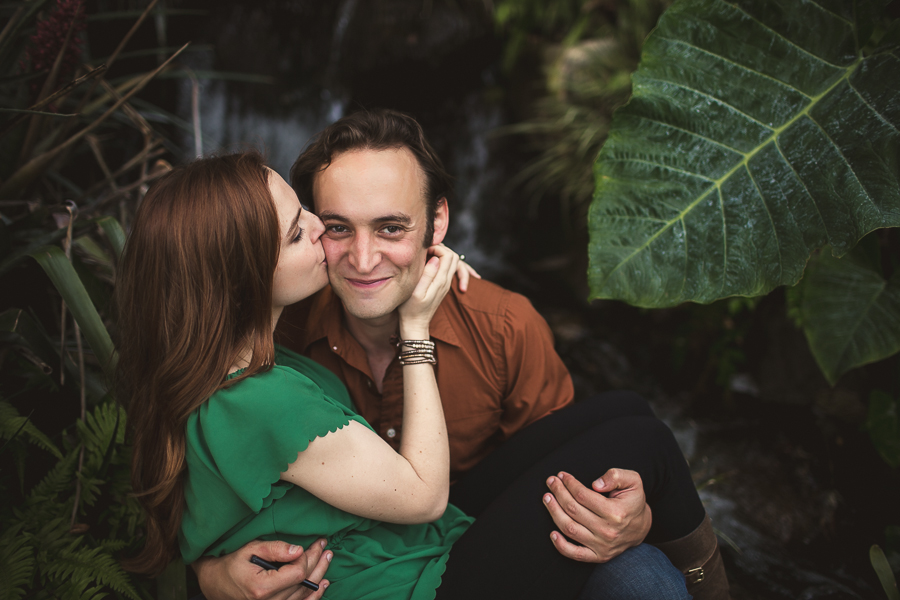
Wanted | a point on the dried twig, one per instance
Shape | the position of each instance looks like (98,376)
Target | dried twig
(54,96)
(112,58)
(94,143)
(195,113)
(13,21)
(124,191)
(141,158)
(26,174)
(36,120)
(73,214)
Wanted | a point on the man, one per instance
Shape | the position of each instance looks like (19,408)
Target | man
(382,193)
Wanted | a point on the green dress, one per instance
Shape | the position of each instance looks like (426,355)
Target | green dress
(245,436)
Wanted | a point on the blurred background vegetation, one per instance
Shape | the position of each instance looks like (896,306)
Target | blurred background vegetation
(99,97)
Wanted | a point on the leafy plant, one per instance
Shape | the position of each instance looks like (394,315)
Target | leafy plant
(885,575)
(757,133)
(883,424)
(67,511)
(588,56)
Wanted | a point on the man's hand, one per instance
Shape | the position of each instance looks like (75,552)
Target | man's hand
(234,577)
(603,526)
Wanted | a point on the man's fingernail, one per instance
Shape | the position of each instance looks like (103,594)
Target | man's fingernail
(329,556)
(553,536)
(323,543)
(599,483)
(547,498)
(550,480)
(293,549)
(562,475)
(325,584)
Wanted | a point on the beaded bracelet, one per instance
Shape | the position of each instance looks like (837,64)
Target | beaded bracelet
(420,352)
(424,344)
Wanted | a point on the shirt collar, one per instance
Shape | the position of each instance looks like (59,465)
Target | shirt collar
(327,314)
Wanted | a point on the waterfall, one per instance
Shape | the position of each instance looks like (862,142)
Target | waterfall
(228,123)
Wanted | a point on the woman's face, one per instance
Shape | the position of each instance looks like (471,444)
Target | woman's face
(301,269)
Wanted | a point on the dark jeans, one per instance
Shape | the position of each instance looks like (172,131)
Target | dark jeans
(507,553)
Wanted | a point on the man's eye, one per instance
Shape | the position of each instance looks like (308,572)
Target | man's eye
(335,229)
(392,229)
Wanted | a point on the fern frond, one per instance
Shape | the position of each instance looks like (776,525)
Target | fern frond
(43,503)
(58,480)
(90,489)
(100,432)
(112,546)
(16,563)
(88,565)
(82,592)
(51,539)
(12,424)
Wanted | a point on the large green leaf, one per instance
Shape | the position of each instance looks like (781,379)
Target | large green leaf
(758,131)
(67,283)
(849,312)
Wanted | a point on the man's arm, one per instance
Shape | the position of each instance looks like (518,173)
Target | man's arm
(537,382)
(602,526)
(234,577)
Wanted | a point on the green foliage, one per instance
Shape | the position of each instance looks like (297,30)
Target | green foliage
(67,514)
(13,425)
(849,312)
(521,18)
(885,575)
(16,563)
(883,424)
(755,135)
(588,71)
(760,145)
(67,564)
(67,282)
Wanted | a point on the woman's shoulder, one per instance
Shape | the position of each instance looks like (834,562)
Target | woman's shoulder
(276,385)
(330,384)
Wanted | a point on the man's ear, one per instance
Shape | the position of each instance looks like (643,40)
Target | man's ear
(441,221)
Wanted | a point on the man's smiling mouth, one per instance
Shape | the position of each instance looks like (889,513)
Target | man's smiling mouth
(367,283)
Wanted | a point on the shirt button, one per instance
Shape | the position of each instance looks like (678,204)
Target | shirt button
(334,348)
(391,433)
(370,384)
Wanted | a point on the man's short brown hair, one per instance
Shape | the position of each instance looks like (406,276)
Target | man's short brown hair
(378,129)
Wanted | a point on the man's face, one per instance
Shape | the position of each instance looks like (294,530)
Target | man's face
(373,208)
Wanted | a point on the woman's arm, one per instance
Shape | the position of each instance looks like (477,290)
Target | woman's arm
(355,470)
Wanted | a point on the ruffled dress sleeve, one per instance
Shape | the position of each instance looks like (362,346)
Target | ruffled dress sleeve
(238,444)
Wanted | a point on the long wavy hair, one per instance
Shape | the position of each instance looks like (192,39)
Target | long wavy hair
(194,290)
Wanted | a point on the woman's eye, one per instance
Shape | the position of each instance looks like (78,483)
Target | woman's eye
(299,235)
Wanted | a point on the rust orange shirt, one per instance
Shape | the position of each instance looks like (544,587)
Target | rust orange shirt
(496,369)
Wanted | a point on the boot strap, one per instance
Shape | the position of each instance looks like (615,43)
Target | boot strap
(694,576)
(698,574)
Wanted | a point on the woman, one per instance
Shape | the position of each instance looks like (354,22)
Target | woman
(237,440)
(218,248)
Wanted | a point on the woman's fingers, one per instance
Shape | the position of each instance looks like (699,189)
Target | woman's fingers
(463,272)
(430,290)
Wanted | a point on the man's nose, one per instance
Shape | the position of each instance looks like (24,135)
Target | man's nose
(364,255)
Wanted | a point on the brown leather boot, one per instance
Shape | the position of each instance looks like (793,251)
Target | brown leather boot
(697,556)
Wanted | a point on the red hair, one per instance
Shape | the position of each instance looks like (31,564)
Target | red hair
(194,290)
